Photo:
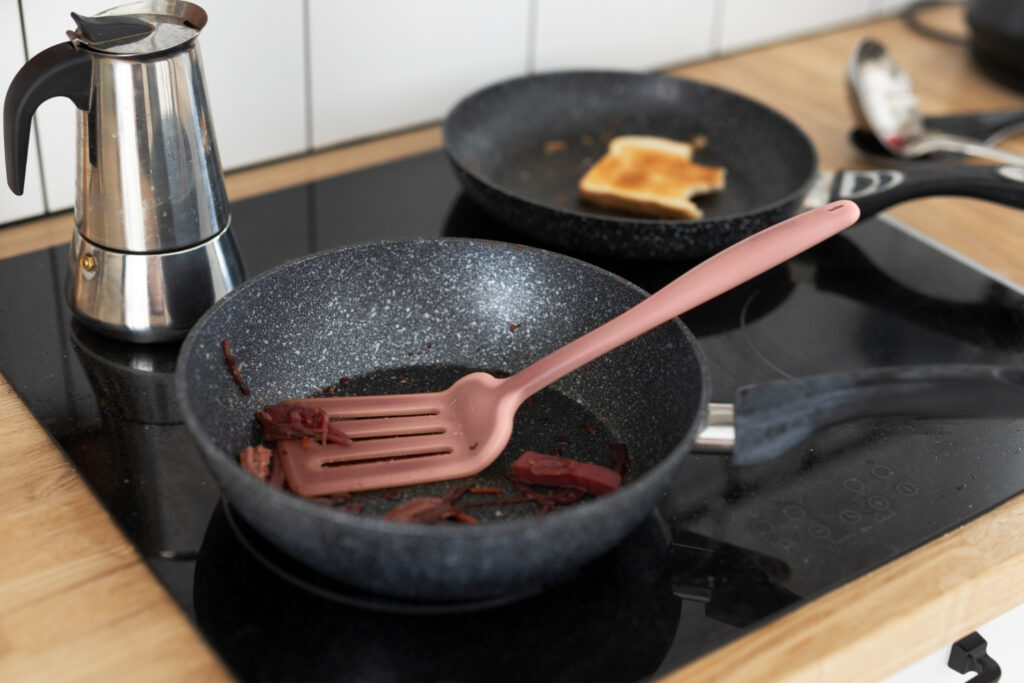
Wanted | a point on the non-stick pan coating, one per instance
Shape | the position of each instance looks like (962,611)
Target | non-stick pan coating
(412,307)
(521,146)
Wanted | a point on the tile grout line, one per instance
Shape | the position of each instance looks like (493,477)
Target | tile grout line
(307,68)
(531,36)
(35,123)
(717,27)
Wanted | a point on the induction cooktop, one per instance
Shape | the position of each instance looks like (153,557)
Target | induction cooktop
(727,551)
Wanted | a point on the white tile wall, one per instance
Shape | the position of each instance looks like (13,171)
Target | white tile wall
(375,67)
(253,60)
(893,6)
(641,35)
(12,56)
(378,66)
(747,23)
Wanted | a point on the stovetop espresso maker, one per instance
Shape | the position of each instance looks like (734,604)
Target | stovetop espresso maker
(151,250)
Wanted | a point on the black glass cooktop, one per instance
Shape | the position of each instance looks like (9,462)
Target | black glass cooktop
(729,550)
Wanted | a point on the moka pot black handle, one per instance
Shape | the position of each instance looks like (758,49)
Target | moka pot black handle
(58,71)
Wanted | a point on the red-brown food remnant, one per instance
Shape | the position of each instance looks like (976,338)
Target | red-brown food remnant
(550,470)
(490,490)
(513,328)
(277,478)
(290,421)
(552,146)
(545,500)
(455,492)
(257,461)
(620,458)
(428,510)
(232,362)
(408,511)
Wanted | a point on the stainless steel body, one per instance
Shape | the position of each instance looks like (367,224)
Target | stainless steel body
(149,176)
(151,249)
(152,297)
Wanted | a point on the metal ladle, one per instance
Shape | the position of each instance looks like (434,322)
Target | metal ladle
(884,101)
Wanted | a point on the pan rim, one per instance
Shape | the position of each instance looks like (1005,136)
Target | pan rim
(662,471)
(656,224)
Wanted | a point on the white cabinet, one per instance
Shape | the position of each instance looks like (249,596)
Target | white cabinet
(12,56)
(640,35)
(390,64)
(253,60)
(747,23)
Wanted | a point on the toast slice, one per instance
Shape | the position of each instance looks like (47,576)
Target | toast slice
(650,176)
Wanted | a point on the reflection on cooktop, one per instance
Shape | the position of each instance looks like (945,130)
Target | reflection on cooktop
(730,548)
(559,635)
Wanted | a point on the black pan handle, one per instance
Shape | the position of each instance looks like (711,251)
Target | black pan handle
(773,417)
(877,190)
(57,71)
(980,126)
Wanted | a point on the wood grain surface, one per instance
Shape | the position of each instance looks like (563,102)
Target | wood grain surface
(77,603)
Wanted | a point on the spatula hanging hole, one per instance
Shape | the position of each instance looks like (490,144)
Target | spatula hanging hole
(396,413)
(392,458)
(422,432)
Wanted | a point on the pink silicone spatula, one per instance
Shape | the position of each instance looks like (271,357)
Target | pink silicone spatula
(406,439)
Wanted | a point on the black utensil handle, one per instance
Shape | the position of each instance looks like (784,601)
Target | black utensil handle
(981,126)
(876,190)
(968,654)
(58,71)
(773,417)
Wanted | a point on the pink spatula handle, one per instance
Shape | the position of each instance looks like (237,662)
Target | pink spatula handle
(720,273)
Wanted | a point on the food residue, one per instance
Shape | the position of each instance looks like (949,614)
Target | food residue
(553,146)
(232,362)
(551,470)
(542,480)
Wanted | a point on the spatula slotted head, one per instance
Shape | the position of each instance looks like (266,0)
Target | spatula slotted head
(402,439)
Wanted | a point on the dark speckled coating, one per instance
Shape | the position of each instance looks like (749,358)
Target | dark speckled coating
(520,147)
(439,303)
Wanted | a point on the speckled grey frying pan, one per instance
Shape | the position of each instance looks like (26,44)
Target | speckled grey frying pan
(416,315)
(397,317)
(519,148)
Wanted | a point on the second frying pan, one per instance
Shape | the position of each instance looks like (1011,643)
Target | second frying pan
(519,147)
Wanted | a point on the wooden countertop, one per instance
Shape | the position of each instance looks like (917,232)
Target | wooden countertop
(76,602)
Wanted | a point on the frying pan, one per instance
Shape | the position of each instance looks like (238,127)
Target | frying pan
(519,148)
(416,315)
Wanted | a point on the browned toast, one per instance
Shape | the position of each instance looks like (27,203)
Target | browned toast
(650,176)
